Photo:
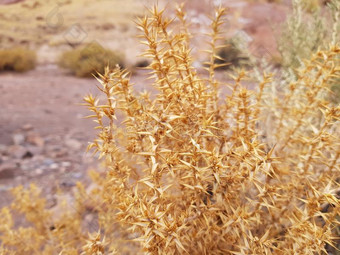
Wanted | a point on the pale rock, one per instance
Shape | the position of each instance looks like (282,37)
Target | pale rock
(48,161)
(54,166)
(65,164)
(18,139)
(3,148)
(73,144)
(27,127)
(17,151)
(38,171)
(35,139)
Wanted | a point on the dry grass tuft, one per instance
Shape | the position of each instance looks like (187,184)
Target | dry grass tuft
(88,60)
(17,59)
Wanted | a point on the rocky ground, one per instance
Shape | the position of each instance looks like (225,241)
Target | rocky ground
(43,135)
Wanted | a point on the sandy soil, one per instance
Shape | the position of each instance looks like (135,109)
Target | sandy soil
(43,133)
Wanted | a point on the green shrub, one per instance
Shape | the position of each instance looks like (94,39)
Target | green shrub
(86,61)
(303,33)
(306,31)
(17,59)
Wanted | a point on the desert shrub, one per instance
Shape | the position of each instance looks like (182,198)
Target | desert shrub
(17,59)
(311,5)
(231,55)
(301,35)
(189,172)
(87,61)
(304,33)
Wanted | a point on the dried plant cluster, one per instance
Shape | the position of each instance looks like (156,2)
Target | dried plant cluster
(303,33)
(84,61)
(192,172)
(17,59)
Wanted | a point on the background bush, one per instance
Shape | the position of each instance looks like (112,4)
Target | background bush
(232,55)
(17,59)
(306,31)
(93,58)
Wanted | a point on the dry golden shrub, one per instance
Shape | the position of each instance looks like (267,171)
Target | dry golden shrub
(190,172)
(85,61)
(17,59)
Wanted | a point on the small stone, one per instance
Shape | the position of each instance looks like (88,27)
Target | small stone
(35,139)
(27,127)
(28,154)
(197,64)
(48,162)
(25,166)
(34,150)
(38,158)
(17,151)
(60,153)
(39,171)
(54,166)
(76,175)
(7,170)
(3,148)
(67,184)
(73,144)
(18,139)
(89,218)
(65,164)
(19,178)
